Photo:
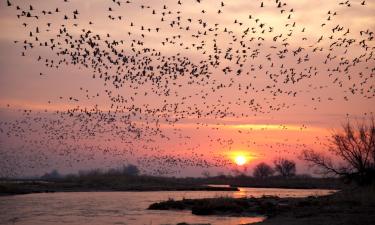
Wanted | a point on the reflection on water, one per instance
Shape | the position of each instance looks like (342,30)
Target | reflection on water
(283,193)
(121,208)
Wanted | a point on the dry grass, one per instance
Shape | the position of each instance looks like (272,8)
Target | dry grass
(355,206)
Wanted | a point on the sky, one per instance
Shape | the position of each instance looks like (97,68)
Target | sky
(179,87)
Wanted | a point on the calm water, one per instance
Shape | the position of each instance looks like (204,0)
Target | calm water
(120,208)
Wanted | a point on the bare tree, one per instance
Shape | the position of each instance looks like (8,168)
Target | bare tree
(285,167)
(354,146)
(263,170)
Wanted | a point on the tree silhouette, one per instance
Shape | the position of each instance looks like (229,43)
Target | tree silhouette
(54,174)
(263,170)
(285,167)
(131,170)
(355,147)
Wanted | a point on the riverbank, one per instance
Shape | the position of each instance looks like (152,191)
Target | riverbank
(265,206)
(123,182)
(17,188)
(354,207)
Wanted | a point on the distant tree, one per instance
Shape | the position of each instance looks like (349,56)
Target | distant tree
(305,176)
(130,169)
(221,175)
(113,172)
(354,146)
(206,174)
(263,170)
(70,176)
(94,172)
(90,173)
(285,167)
(54,174)
(236,172)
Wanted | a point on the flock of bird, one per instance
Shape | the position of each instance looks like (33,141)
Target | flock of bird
(178,61)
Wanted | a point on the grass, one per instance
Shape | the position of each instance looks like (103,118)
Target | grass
(224,206)
(352,206)
(349,207)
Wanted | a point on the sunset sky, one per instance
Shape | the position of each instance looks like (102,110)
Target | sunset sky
(255,78)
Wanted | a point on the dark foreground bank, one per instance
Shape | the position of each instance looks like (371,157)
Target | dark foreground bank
(349,207)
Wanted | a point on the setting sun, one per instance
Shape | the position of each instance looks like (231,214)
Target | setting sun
(264,102)
(240,160)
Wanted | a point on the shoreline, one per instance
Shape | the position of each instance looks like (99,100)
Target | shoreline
(9,190)
(149,183)
(355,206)
(351,206)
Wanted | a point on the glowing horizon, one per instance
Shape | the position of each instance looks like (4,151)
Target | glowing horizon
(170,86)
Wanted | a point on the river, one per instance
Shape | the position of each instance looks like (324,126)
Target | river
(123,208)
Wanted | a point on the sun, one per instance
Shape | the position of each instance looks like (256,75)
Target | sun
(240,160)
(241,157)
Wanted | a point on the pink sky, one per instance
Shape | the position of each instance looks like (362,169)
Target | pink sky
(263,117)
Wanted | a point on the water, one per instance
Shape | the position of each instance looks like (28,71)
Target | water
(123,208)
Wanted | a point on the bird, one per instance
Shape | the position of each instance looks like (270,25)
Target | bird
(174,64)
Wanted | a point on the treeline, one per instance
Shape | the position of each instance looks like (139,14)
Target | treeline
(282,167)
(125,170)
(128,177)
